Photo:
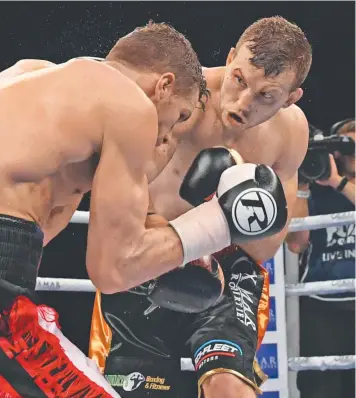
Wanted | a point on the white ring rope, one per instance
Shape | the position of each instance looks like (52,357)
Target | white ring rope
(297,224)
(300,289)
(341,362)
(303,363)
(64,285)
(323,221)
(324,287)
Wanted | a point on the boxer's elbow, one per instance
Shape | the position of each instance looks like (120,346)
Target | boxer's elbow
(113,268)
(106,275)
(109,282)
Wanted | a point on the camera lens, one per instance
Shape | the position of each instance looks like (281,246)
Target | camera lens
(315,166)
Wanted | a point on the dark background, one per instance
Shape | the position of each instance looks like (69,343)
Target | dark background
(59,31)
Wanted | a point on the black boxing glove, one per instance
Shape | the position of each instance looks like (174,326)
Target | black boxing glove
(256,207)
(191,289)
(249,204)
(203,176)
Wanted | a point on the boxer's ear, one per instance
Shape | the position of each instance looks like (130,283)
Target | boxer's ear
(293,97)
(231,56)
(165,86)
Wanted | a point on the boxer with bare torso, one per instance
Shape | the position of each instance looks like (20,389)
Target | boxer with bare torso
(250,109)
(93,125)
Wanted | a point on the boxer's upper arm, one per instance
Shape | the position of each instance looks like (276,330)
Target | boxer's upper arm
(296,131)
(290,190)
(291,159)
(119,196)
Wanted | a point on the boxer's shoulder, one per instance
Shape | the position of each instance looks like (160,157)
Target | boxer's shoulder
(113,98)
(29,65)
(293,116)
(23,66)
(293,126)
(286,119)
(122,95)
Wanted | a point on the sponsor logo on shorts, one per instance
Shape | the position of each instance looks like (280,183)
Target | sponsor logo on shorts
(134,380)
(213,349)
(254,211)
(244,299)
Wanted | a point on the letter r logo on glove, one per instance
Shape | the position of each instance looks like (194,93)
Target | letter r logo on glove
(254,211)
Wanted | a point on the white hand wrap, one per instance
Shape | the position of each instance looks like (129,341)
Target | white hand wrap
(202,230)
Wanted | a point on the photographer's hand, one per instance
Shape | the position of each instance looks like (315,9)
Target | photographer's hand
(335,179)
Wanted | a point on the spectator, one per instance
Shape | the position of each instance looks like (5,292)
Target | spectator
(327,322)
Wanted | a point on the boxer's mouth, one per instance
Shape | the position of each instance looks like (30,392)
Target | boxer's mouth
(236,118)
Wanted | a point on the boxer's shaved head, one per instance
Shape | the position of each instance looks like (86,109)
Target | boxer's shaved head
(278,45)
(159,48)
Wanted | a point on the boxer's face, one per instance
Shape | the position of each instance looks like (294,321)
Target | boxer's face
(172,106)
(248,97)
(176,110)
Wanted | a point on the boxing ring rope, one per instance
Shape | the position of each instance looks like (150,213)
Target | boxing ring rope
(334,362)
(299,289)
(297,224)
(342,362)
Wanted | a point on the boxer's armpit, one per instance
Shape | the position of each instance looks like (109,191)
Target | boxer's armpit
(59,218)
(154,220)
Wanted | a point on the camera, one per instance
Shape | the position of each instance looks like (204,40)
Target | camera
(316,164)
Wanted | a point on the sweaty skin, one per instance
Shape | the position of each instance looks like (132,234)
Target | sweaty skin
(75,127)
(280,142)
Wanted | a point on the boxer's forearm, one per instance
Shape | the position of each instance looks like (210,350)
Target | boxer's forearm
(158,251)
(298,241)
(267,248)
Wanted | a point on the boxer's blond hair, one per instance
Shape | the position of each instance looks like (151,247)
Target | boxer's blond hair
(278,45)
(158,47)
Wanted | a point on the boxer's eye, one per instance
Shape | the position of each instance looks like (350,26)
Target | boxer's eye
(184,116)
(239,80)
(266,95)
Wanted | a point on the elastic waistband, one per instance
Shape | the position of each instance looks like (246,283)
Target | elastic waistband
(21,245)
(119,363)
(20,223)
(233,251)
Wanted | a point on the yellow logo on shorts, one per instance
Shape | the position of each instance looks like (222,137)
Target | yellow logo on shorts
(133,381)
(156,383)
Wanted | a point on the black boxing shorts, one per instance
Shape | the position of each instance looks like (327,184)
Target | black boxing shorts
(36,360)
(136,347)
(225,338)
